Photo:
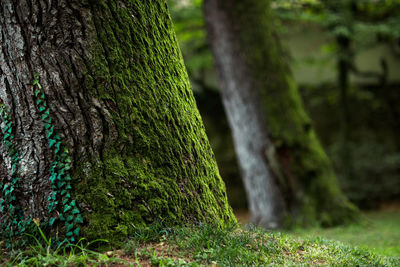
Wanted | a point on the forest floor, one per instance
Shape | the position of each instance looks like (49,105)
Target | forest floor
(377,231)
(372,242)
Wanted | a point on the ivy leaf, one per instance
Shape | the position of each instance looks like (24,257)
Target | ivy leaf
(58,146)
(76,231)
(60,184)
(52,142)
(51,206)
(69,226)
(51,221)
(53,177)
(75,211)
(67,208)
(78,219)
(44,116)
(50,131)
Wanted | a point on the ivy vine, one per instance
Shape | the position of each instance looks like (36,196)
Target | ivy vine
(60,199)
(60,178)
(8,201)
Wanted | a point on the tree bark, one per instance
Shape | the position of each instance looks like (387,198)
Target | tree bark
(287,175)
(119,99)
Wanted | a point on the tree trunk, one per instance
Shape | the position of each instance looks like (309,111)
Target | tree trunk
(285,170)
(343,66)
(97,91)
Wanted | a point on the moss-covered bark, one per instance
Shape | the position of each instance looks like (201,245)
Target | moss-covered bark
(294,155)
(120,99)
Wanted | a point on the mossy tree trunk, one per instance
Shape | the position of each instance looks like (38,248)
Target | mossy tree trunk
(97,103)
(287,175)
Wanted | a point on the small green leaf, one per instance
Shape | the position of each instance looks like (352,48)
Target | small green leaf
(61,184)
(51,221)
(58,146)
(78,219)
(53,177)
(69,226)
(75,211)
(44,116)
(76,231)
(67,208)
(52,142)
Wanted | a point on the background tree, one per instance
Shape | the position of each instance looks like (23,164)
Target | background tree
(365,93)
(100,128)
(282,162)
(190,28)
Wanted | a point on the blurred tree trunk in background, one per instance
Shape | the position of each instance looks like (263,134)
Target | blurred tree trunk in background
(101,133)
(344,65)
(287,175)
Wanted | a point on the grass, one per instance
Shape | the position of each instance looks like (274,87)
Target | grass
(44,254)
(379,232)
(207,245)
(375,242)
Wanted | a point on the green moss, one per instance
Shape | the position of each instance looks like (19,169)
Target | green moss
(158,165)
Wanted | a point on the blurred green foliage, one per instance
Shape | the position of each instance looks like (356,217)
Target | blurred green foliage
(374,109)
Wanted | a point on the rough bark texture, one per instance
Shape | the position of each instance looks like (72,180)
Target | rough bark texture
(283,164)
(120,100)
